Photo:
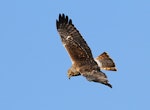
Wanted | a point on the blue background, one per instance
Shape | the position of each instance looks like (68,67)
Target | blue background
(34,64)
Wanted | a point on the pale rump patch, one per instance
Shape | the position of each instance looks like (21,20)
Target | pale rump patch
(98,62)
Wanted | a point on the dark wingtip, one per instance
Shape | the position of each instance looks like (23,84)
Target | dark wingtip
(70,21)
(64,19)
(109,85)
(57,23)
(59,16)
(63,14)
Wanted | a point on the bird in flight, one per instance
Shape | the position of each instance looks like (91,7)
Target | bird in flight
(81,56)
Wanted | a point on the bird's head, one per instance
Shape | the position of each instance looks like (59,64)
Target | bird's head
(72,72)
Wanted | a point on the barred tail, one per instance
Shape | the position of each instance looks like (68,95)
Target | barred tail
(105,62)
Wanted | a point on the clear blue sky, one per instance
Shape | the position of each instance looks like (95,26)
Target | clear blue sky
(33,62)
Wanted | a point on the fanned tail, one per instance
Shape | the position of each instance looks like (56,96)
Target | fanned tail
(105,62)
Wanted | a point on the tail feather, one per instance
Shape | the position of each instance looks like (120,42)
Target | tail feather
(105,62)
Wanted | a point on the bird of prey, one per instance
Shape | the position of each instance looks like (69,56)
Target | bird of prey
(81,56)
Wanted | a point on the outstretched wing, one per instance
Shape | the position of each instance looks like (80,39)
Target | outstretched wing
(73,41)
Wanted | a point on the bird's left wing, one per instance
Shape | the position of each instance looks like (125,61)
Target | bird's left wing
(72,40)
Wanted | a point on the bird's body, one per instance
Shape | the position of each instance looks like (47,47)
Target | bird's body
(81,56)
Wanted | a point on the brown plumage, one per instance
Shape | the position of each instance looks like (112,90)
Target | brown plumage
(81,56)
(105,62)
